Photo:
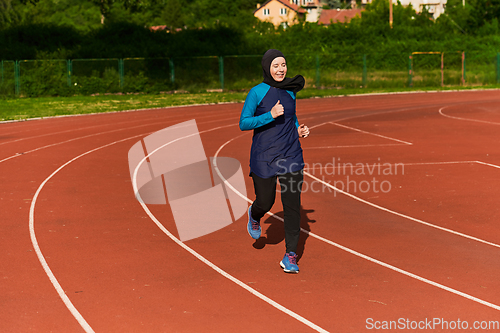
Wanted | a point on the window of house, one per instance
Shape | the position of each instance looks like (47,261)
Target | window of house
(283,11)
(266,11)
(296,2)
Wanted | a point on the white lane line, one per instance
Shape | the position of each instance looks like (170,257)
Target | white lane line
(164,118)
(216,168)
(355,146)
(399,270)
(352,128)
(440,163)
(377,206)
(466,119)
(350,117)
(60,291)
(203,259)
(351,166)
(87,136)
(62,142)
(489,164)
(42,260)
(358,254)
(455,162)
(402,215)
(370,133)
(53,133)
(230,277)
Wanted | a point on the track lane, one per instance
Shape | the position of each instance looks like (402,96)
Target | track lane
(265,257)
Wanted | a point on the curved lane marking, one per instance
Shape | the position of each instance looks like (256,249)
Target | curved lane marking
(466,119)
(203,259)
(83,323)
(489,164)
(358,254)
(89,329)
(370,133)
(84,137)
(94,126)
(74,311)
(376,261)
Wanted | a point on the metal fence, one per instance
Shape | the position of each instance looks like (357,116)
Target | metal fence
(33,78)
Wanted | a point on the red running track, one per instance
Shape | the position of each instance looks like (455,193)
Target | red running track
(400,218)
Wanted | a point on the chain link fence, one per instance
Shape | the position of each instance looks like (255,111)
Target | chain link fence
(34,78)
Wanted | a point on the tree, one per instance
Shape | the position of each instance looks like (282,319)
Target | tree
(104,6)
(455,18)
(211,13)
(173,15)
(482,12)
(334,4)
(8,15)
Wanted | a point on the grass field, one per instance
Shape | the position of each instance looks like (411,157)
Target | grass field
(25,108)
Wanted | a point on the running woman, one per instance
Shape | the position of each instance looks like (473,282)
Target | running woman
(276,153)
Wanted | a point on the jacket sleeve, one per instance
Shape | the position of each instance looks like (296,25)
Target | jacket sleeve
(296,121)
(247,119)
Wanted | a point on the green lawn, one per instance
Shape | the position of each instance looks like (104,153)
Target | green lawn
(24,108)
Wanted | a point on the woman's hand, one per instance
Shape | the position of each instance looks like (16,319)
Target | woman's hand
(277,110)
(303,131)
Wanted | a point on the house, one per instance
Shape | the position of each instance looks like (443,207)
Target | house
(158,28)
(435,7)
(313,9)
(288,12)
(329,16)
(163,28)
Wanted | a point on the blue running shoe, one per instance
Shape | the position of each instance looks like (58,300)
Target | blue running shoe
(253,226)
(289,263)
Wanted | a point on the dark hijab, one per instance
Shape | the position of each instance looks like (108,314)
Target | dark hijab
(294,84)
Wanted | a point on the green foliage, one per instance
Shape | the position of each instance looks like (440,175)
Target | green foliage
(483,12)
(209,13)
(122,40)
(334,4)
(45,78)
(202,30)
(38,41)
(454,20)
(53,78)
(173,15)
(78,14)
(8,15)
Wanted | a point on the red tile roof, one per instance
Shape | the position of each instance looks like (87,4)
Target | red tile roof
(292,6)
(162,27)
(296,8)
(158,27)
(338,15)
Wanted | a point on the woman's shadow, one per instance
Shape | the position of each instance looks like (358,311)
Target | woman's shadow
(275,232)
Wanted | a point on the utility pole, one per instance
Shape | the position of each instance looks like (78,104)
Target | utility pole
(390,13)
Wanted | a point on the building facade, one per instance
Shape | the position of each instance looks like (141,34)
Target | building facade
(288,12)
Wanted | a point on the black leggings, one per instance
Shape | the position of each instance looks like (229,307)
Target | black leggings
(265,195)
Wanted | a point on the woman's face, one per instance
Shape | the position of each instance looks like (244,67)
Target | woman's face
(278,69)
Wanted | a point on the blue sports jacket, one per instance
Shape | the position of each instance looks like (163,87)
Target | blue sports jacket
(276,147)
